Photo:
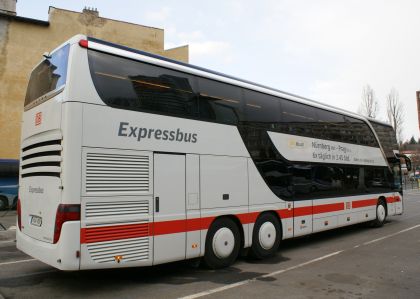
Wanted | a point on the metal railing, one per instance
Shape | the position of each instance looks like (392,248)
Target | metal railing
(411,184)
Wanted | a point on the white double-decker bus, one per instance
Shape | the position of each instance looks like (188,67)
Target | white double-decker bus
(131,159)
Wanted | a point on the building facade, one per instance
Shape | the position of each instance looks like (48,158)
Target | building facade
(24,40)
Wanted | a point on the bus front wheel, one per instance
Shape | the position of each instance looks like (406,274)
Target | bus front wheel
(266,236)
(222,244)
(380,214)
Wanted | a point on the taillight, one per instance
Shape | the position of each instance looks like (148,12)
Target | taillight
(19,214)
(83,43)
(65,213)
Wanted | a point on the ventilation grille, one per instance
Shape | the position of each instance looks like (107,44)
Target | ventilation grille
(129,250)
(42,159)
(114,173)
(120,208)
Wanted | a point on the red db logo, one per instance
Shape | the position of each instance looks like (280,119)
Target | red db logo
(38,118)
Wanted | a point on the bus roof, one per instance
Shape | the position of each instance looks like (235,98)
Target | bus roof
(379,122)
(191,66)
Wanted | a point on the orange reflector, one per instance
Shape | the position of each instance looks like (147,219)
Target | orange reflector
(118,258)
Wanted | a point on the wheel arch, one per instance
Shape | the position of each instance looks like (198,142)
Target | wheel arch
(383,199)
(237,222)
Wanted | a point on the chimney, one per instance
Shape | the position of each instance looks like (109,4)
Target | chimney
(8,7)
(91,11)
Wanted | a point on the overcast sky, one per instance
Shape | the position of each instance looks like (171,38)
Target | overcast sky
(326,50)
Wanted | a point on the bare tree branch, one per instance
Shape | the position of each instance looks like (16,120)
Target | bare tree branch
(369,106)
(395,112)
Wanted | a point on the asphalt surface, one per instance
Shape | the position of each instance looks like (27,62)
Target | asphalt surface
(351,262)
(7,219)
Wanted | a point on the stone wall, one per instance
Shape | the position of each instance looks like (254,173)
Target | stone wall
(23,41)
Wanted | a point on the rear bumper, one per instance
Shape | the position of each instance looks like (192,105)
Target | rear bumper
(61,255)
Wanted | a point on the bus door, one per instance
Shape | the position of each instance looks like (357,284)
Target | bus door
(169,226)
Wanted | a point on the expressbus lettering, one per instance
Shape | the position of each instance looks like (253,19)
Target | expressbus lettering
(140,133)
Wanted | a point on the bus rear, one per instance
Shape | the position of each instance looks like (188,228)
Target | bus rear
(44,210)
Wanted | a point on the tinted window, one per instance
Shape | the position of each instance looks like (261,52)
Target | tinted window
(262,110)
(133,85)
(297,118)
(220,102)
(377,179)
(332,124)
(387,138)
(49,75)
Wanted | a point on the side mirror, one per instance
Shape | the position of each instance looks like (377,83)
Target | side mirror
(407,160)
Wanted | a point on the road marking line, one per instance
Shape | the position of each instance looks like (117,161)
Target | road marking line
(247,281)
(17,262)
(243,282)
(392,235)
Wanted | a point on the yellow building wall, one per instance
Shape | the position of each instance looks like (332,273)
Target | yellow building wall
(23,43)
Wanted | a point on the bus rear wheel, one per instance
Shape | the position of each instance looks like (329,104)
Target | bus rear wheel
(380,214)
(222,244)
(266,236)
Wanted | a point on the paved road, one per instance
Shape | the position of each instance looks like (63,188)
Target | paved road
(352,262)
(7,218)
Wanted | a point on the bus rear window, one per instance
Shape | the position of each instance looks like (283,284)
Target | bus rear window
(49,75)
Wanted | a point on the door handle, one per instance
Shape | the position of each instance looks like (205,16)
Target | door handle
(157,204)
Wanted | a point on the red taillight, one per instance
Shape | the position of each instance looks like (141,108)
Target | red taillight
(19,214)
(83,43)
(65,213)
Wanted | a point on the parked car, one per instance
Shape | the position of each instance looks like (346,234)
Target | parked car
(9,183)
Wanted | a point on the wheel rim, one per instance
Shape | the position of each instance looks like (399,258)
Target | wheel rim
(381,213)
(267,235)
(223,242)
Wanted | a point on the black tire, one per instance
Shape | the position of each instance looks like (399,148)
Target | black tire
(380,214)
(212,259)
(3,203)
(258,250)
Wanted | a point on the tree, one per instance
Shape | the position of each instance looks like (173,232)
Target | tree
(413,140)
(369,105)
(395,112)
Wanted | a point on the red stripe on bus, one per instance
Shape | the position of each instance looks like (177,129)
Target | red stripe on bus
(364,203)
(302,211)
(327,208)
(285,213)
(117,232)
(392,199)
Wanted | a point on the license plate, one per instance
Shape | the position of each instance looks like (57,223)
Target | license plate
(36,220)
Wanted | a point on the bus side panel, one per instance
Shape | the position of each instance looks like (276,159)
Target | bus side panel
(224,190)
(261,198)
(224,181)
(193,205)
(116,208)
(399,204)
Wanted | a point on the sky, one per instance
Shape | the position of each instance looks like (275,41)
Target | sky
(325,50)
